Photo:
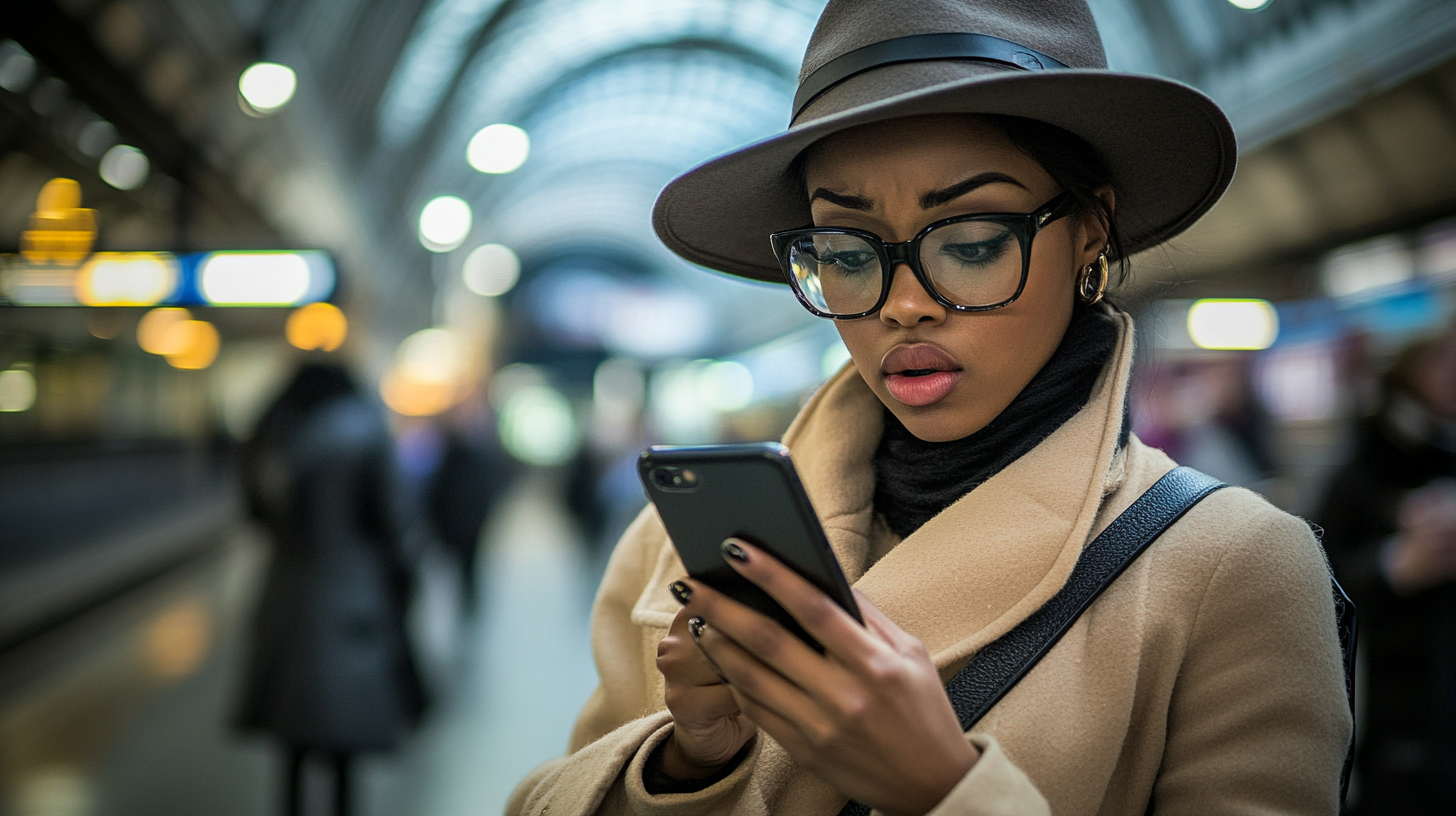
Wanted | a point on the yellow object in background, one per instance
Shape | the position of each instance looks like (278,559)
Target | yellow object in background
(317,327)
(127,278)
(61,230)
(199,344)
(154,331)
(172,333)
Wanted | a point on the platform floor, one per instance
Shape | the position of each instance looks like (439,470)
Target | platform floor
(125,712)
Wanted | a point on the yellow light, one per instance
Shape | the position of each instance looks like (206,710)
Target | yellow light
(408,396)
(199,342)
(127,279)
(155,331)
(255,278)
(435,355)
(177,640)
(17,390)
(1235,324)
(317,327)
(61,230)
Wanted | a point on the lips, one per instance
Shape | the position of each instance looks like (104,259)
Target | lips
(920,375)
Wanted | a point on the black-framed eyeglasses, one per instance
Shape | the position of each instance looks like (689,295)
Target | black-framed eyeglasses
(969,263)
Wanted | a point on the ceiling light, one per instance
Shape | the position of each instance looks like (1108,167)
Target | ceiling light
(491,270)
(1250,5)
(444,223)
(1233,324)
(124,167)
(498,149)
(267,86)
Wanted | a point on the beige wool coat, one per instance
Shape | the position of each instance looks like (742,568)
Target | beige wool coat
(1207,677)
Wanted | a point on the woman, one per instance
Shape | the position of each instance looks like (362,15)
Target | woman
(977,441)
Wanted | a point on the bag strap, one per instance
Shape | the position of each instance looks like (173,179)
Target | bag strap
(998,667)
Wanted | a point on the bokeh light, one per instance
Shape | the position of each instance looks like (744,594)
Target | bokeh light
(124,167)
(498,149)
(267,86)
(154,330)
(317,327)
(445,222)
(177,640)
(17,390)
(254,278)
(538,426)
(1233,324)
(435,355)
(1250,5)
(127,279)
(198,344)
(490,270)
(726,385)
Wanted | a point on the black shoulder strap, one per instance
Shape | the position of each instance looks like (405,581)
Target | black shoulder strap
(994,670)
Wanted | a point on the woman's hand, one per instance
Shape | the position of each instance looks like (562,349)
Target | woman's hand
(869,716)
(708,727)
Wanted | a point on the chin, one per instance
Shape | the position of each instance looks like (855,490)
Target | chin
(937,423)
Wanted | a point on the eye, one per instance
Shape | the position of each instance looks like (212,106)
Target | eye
(849,260)
(977,253)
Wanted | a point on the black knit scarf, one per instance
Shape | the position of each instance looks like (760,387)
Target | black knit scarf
(915,479)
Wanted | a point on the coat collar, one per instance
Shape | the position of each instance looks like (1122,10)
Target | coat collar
(995,556)
(986,562)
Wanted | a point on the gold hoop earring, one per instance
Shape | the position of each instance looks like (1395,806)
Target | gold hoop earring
(1088,290)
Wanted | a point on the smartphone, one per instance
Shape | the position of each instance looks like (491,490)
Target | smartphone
(705,494)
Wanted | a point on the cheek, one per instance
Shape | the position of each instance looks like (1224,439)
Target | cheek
(864,338)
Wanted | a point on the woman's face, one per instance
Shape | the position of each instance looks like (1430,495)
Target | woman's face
(894,178)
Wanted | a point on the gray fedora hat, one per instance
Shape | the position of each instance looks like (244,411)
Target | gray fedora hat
(1170,150)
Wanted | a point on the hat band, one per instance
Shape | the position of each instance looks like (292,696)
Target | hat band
(919,48)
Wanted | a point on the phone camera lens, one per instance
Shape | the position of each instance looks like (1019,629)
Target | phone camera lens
(675,478)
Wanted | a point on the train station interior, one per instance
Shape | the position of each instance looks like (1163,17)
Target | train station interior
(452,200)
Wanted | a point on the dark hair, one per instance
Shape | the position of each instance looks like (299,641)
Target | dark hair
(1071,162)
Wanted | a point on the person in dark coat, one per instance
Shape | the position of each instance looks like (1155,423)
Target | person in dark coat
(472,474)
(1390,530)
(330,671)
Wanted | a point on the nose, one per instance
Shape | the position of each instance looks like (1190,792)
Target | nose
(909,304)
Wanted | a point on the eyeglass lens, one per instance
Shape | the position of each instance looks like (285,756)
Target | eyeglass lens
(970,263)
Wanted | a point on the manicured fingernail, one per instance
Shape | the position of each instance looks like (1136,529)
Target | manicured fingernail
(734,551)
(681,591)
(695,627)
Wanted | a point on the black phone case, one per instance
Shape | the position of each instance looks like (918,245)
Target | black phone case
(753,492)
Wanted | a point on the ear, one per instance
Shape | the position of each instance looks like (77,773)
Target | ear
(1093,229)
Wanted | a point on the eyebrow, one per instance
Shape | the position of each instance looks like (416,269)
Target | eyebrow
(928,201)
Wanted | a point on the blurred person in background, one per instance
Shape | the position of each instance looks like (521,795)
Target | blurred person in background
(330,672)
(473,472)
(1390,529)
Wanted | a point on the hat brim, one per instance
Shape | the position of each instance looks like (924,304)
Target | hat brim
(1170,149)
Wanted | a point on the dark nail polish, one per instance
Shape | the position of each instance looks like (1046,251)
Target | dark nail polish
(681,591)
(695,627)
(734,551)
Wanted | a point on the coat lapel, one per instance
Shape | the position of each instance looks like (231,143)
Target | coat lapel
(995,556)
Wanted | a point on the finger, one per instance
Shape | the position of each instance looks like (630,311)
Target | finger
(816,612)
(761,636)
(751,678)
(680,660)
